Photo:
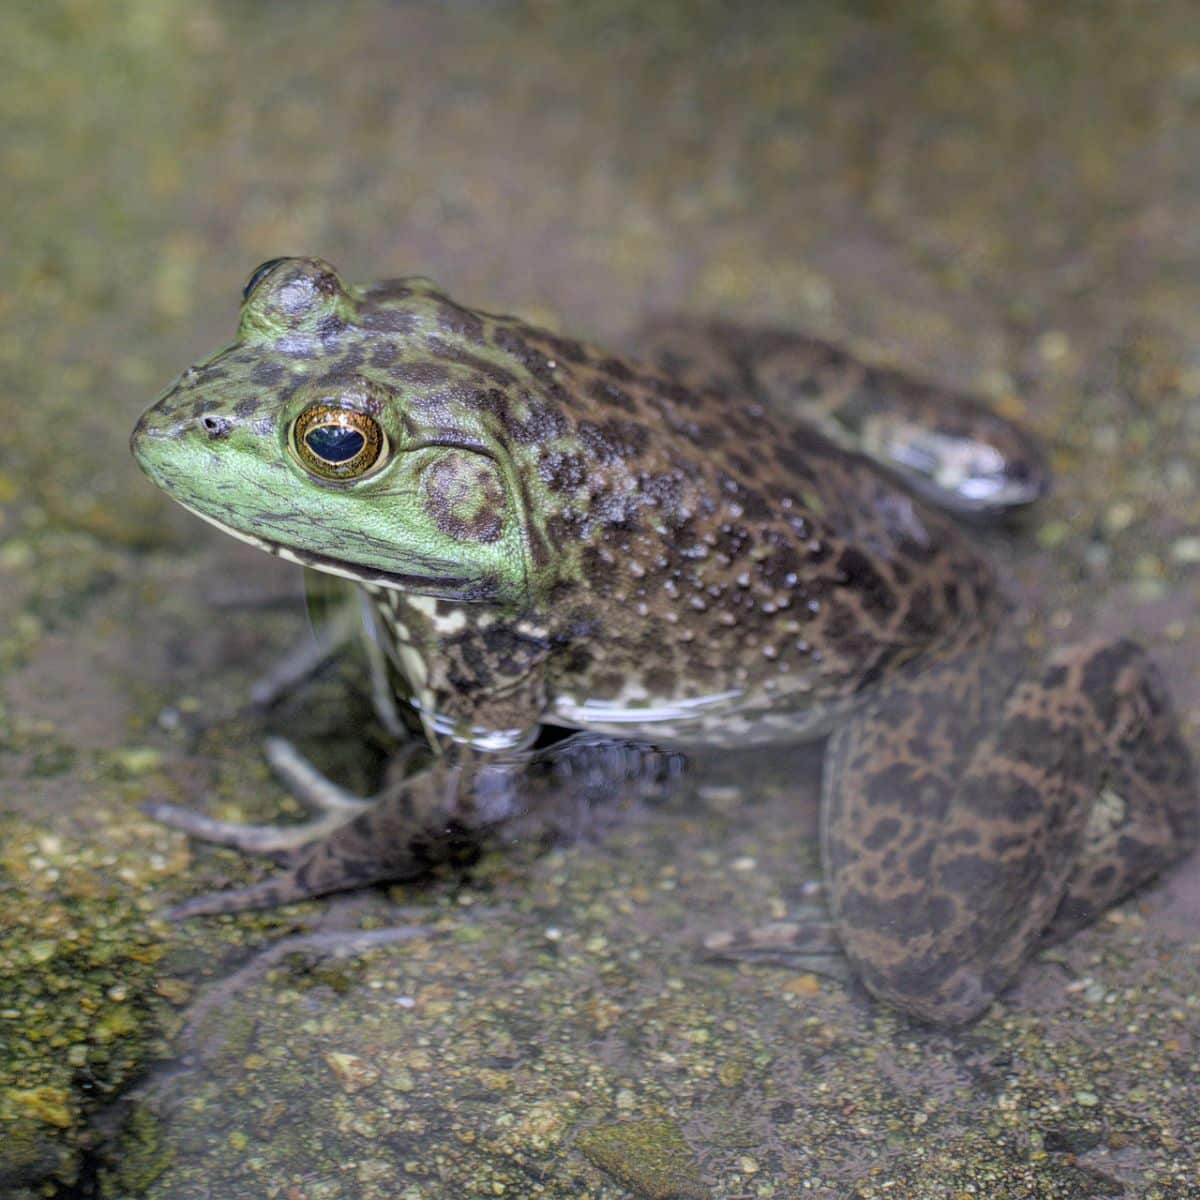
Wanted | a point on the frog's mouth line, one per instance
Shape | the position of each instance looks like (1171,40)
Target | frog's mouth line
(446,585)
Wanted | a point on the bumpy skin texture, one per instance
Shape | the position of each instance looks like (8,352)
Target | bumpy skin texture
(718,543)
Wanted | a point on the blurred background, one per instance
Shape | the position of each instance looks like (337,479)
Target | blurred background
(1002,195)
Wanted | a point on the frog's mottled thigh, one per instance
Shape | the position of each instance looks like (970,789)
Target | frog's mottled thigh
(1145,812)
(959,830)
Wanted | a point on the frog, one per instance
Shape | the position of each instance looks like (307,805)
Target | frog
(732,537)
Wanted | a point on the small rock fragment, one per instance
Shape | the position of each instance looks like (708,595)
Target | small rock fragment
(649,1156)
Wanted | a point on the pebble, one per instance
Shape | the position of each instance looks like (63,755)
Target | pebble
(1186,550)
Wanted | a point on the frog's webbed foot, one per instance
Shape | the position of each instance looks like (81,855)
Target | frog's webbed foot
(805,942)
(306,880)
(949,447)
(317,858)
(383,845)
(444,814)
(269,840)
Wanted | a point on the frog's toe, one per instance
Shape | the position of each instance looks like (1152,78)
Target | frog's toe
(267,894)
(306,783)
(402,837)
(250,839)
(808,943)
(287,887)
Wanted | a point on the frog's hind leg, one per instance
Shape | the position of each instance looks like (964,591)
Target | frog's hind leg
(945,445)
(1145,813)
(961,826)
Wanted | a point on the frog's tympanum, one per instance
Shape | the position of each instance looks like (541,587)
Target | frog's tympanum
(732,540)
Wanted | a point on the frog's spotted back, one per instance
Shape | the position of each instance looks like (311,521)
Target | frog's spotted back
(711,547)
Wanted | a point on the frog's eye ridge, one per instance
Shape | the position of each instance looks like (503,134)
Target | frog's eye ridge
(257,274)
(334,442)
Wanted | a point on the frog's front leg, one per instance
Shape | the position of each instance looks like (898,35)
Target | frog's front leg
(959,833)
(339,615)
(332,806)
(415,824)
(448,813)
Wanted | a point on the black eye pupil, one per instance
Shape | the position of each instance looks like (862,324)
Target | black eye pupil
(334,443)
(259,272)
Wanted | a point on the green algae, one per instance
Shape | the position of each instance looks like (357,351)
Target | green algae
(144,1155)
(80,1013)
(650,1156)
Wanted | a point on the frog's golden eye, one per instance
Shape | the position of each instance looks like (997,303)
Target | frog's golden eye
(337,443)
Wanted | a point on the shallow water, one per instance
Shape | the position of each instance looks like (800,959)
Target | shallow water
(996,197)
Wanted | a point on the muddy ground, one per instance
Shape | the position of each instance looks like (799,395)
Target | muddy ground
(1002,195)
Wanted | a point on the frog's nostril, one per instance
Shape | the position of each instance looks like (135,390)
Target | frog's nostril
(215,426)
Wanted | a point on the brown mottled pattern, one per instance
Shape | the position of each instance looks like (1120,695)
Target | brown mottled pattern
(908,426)
(465,496)
(956,816)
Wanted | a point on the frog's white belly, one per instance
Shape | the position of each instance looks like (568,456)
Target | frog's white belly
(722,719)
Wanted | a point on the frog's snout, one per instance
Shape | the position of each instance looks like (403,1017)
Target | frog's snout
(147,437)
(145,432)
(159,437)
(151,427)
(157,426)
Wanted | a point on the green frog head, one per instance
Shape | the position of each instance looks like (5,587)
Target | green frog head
(344,430)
